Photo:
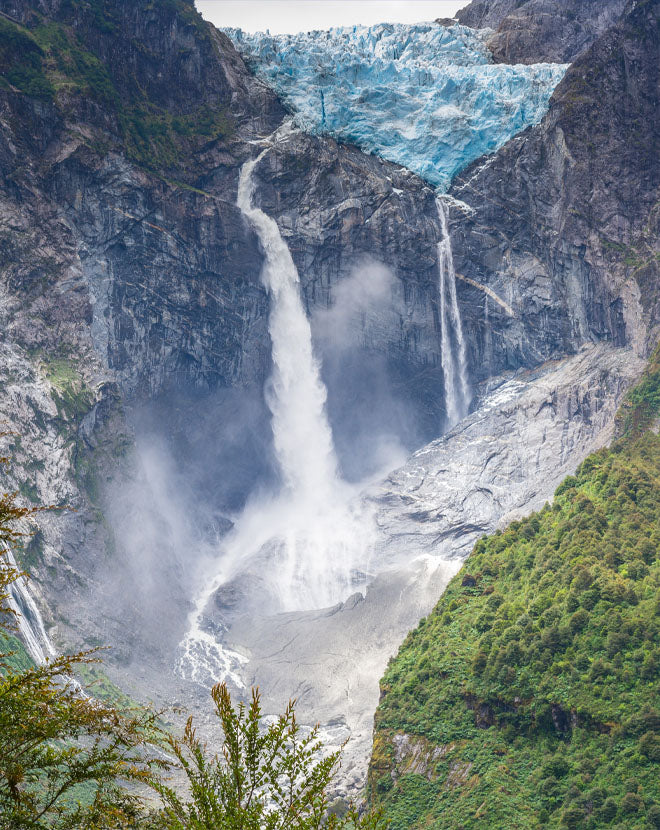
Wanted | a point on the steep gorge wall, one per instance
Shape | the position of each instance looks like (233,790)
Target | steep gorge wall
(128,272)
(562,223)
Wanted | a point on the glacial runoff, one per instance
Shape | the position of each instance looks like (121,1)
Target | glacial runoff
(425,96)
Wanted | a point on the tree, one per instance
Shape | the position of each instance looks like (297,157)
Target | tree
(267,777)
(69,761)
(64,757)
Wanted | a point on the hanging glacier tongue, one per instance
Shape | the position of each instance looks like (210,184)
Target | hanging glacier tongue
(426,96)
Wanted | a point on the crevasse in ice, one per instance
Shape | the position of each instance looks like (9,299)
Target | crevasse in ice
(425,96)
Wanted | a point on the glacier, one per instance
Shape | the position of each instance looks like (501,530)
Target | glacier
(425,96)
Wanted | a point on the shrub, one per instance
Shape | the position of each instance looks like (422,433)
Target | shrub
(57,745)
(556,766)
(631,803)
(649,746)
(579,621)
(609,810)
(572,817)
(267,776)
(653,816)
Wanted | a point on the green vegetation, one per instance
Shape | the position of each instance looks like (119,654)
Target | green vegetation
(641,407)
(64,758)
(72,397)
(534,682)
(13,655)
(271,778)
(154,137)
(51,61)
(98,684)
(21,61)
(49,58)
(72,67)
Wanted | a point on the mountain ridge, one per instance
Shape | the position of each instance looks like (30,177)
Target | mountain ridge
(538,30)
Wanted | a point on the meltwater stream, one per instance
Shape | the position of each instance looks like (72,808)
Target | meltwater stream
(28,619)
(307,542)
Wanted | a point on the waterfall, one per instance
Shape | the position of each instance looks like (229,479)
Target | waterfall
(306,542)
(30,624)
(296,395)
(453,357)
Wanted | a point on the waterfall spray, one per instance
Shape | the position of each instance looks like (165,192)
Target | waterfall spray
(308,540)
(454,360)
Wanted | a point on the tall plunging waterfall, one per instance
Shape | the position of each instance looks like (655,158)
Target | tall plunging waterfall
(296,395)
(454,360)
(306,542)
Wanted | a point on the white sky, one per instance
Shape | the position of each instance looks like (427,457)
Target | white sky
(304,15)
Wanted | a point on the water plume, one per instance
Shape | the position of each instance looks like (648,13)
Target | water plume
(306,543)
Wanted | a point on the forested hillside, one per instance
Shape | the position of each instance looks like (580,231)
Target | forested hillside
(529,696)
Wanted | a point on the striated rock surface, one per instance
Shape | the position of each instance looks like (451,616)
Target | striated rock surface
(503,461)
(507,458)
(541,30)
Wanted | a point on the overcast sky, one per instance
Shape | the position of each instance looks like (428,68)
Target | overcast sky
(305,15)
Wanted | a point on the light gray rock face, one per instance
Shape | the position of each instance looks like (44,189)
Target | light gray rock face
(507,458)
(501,462)
(38,425)
(331,660)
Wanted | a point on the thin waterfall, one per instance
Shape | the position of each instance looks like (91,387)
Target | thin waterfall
(30,623)
(453,357)
(307,540)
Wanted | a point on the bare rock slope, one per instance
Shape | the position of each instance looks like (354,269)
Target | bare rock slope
(541,30)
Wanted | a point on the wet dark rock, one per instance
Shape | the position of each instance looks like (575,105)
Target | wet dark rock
(563,721)
(562,223)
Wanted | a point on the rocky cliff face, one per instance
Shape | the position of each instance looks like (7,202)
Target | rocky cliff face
(166,272)
(129,274)
(562,222)
(541,30)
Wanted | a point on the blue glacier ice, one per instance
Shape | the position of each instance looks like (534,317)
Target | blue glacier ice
(425,96)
